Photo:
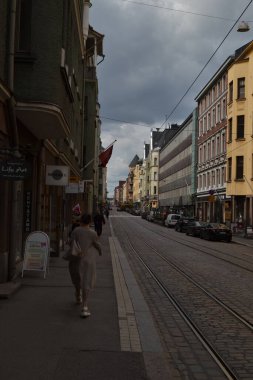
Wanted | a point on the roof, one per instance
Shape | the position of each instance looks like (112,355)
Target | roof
(134,162)
(167,135)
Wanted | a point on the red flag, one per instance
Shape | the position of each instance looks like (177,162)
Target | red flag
(105,156)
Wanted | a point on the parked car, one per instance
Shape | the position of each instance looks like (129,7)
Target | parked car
(171,220)
(194,227)
(182,223)
(216,231)
(151,216)
(144,214)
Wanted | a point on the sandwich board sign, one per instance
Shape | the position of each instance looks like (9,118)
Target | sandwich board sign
(37,248)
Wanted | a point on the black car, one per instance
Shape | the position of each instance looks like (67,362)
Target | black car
(194,227)
(216,231)
(182,224)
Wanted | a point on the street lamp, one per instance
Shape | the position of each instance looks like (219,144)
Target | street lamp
(243,27)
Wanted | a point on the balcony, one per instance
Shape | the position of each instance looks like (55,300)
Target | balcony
(43,120)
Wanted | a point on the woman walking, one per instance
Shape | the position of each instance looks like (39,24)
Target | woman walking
(83,269)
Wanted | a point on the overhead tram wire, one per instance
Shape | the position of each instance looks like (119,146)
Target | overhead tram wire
(197,77)
(178,10)
(179,102)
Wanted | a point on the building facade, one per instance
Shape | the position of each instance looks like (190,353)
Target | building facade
(239,137)
(176,165)
(212,203)
(44,44)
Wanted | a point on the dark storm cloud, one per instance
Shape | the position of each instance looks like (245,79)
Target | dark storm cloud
(152,57)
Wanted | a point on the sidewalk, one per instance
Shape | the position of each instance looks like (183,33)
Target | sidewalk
(43,337)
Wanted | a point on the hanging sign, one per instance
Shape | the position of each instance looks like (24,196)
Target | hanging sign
(57,175)
(75,187)
(15,169)
(37,249)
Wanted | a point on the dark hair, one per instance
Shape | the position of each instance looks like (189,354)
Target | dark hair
(85,219)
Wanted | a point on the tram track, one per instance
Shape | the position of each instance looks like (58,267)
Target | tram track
(229,371)
(239,262)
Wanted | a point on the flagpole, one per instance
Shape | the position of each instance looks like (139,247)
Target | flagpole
(110,145)
(90,162)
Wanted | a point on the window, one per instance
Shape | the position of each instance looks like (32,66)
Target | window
(213,94)
(208,121)
(204,153)
(223,143)
(204,128)
(213,121)
(224,82)
(230,129)
(229,168)
(200,127)
(239,167)
(241,88)
(213,148)
(222,176)
(154,190)
(218,113)
(208,179)
(155,161)
(240,127)
(219,88)
(217,177)
(218,150)
(224,109)
(200,155)
(200,182)
(23,26)
(208,151)
(155,176)
(230,92)
(213,178)
(204,181)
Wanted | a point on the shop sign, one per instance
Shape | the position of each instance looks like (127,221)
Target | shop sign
(15,170)
(28,211)
(37,249)
(75,187)
(57,175)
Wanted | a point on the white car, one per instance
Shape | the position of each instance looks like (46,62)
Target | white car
(171,220)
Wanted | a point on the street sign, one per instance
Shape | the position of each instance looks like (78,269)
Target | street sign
(37,249)
(16,170)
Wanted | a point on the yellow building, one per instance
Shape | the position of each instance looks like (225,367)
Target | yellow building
(239,136)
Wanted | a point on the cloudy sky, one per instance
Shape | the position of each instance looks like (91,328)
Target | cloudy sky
(154,50)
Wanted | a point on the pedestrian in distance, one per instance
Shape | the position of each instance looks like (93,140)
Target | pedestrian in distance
(99,220)
(107,213)
(83,269)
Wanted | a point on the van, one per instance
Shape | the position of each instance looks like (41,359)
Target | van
(171,220)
